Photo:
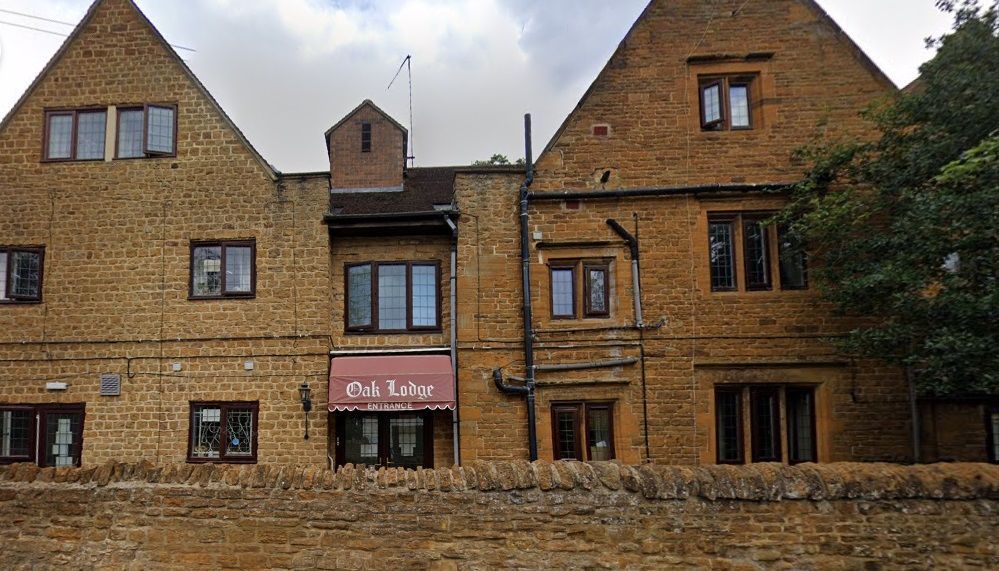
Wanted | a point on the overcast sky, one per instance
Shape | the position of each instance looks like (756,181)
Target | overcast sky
(285,70)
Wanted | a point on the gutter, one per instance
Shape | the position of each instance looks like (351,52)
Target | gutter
(660,191)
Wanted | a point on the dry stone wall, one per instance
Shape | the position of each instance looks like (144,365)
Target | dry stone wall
(500,515)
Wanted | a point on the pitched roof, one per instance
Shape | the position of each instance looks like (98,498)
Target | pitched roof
(812,5)
(366,103)
(422,189)
(271,172)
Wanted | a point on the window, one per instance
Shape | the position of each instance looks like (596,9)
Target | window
(147,131)
(75,135)
(563,291)
(756,239)
(992,432)
(392,296)
(223,432)
(583,431)
(223,269)
(595,288)
(726,103)
(58,428)
(21,274)
(761,419)
(365,137)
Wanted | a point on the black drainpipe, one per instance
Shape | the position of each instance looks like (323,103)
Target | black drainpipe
(525,270)
(637,285)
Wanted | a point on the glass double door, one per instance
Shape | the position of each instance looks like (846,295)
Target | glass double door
(396,440)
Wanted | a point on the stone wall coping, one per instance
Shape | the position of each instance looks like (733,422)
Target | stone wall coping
(754,482)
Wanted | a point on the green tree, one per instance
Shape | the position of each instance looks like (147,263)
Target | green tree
(497,159)
(905,228)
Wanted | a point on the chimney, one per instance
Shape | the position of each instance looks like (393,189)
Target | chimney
(367,150)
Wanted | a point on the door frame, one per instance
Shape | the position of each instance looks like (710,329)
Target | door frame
(339,419)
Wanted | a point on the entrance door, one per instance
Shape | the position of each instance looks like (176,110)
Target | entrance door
(403,440)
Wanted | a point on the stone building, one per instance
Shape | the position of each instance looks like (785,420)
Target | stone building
(168,295)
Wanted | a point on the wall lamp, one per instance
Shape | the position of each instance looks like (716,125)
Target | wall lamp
(306,394)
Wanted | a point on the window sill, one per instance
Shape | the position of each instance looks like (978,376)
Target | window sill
(20,302)
(100,160)
(145,157)
(221,297)
(395,331)
(221,460)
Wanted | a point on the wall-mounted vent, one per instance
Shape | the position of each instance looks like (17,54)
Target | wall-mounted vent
(110,385)
(601,130)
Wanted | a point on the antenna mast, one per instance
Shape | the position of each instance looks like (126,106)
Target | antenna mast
(407,62)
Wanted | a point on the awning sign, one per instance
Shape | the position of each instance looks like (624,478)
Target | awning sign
(394,383)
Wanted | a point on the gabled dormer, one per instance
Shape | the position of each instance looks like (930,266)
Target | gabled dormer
(367,150)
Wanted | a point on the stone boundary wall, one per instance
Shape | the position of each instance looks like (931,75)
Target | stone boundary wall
(499,515)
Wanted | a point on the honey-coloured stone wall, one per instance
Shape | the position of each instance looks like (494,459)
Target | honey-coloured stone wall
(489,515)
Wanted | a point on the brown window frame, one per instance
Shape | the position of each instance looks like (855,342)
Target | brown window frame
(365,137)
(588,310)
(746,402)
(740,256)
(792,457)
(581,428)
(22,300)
(756,394)
(740,422)
(733,224)
(223,244)
(768,282)
(146,152)
(725,84)
(990,435)
(225,406)
(373,327)
(74,127)
(580,287)
(38,430)
(562,266)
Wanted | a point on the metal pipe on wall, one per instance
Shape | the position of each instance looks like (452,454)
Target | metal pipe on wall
(525,264)
(455,420)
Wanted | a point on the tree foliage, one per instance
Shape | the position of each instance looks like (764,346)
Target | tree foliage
(496,159)
(905,228)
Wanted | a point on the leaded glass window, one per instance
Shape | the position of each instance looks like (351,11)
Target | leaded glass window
(359,296)
(21,274)
(583,431)
(728,428)
(738,98)
(793,269)
(221,269)
(711,106)
(765,407)
(130,127)
(800,425)
(160,130)
(756,251)
(596,289)
(406,296)
(563,292)
(424,295)
(90,129)
(225,432)
(15,433)
(59,139)
(391,297)
(720,249)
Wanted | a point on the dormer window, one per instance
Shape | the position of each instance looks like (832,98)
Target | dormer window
(365,137)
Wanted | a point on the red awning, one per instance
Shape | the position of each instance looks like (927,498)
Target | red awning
(391,383)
